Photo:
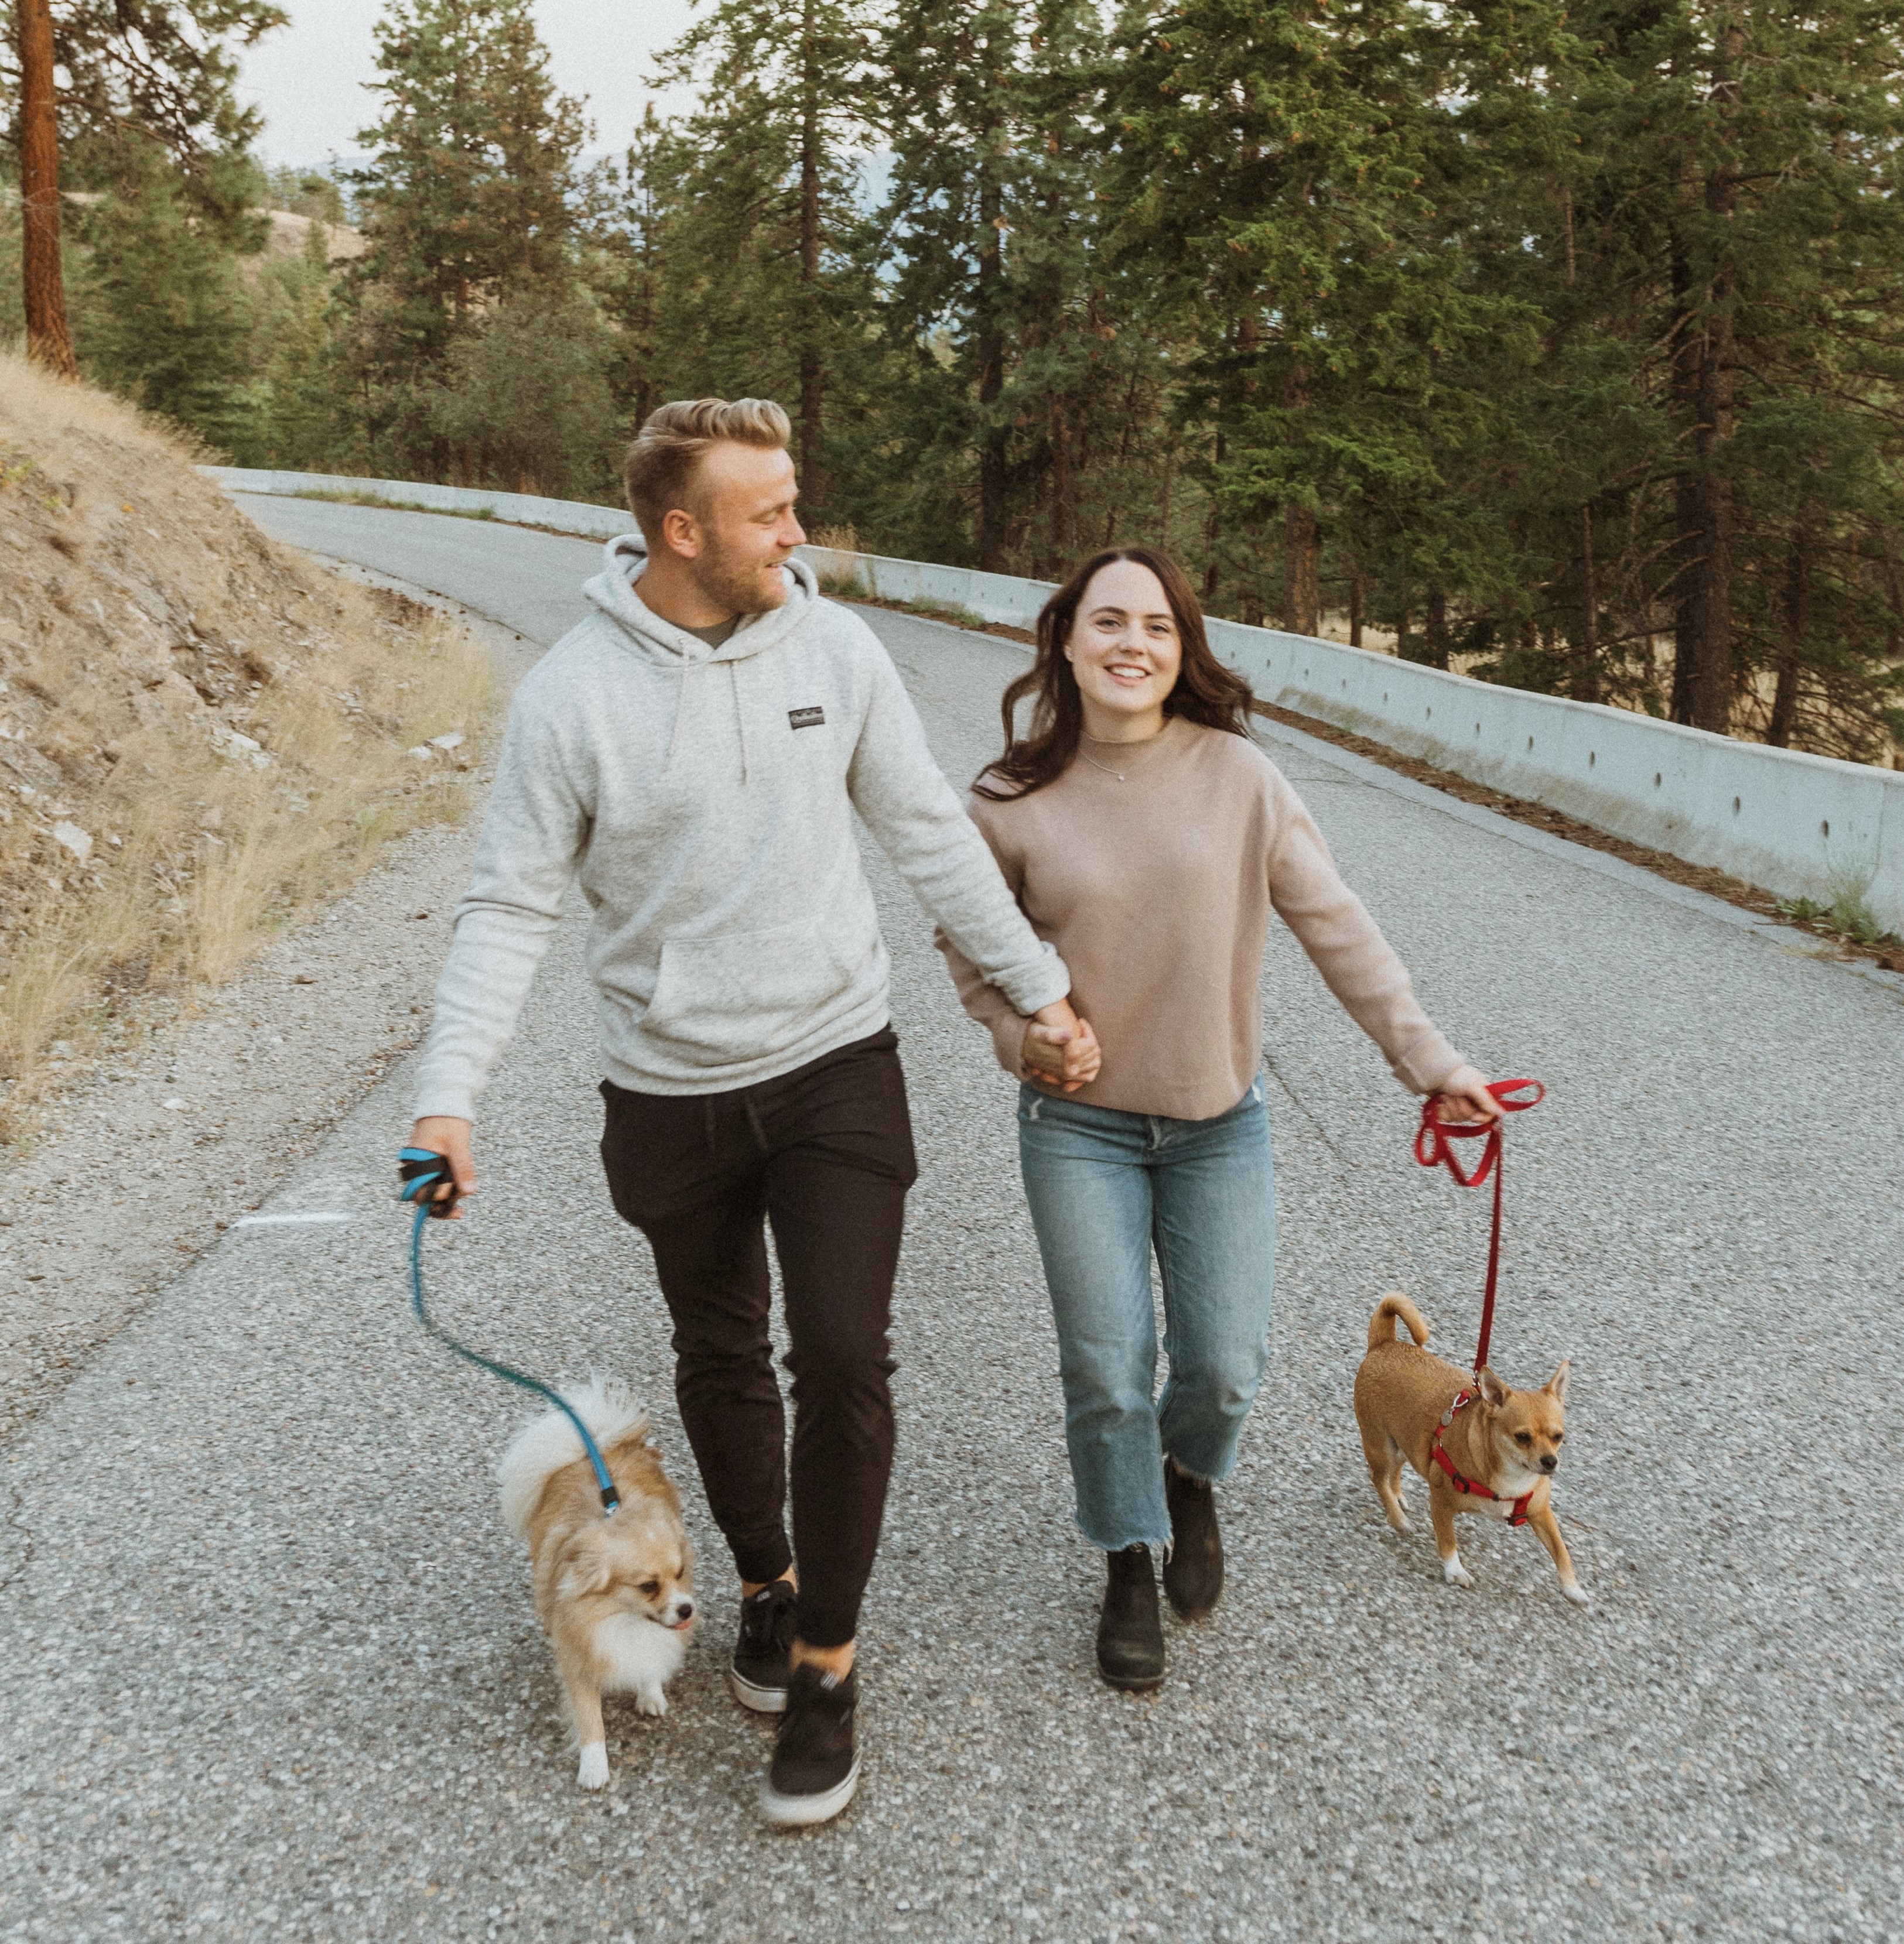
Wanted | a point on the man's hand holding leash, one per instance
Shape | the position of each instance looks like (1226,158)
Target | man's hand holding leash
(445,1135)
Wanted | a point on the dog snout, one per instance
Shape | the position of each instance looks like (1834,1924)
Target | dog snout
(1550,1461)
(679,1612)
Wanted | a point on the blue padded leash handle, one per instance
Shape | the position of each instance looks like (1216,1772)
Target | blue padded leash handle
(419,1168)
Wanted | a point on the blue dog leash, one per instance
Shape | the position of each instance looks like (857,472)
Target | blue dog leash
(419,1169)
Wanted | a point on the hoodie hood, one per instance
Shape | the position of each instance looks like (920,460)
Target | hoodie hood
(616,590)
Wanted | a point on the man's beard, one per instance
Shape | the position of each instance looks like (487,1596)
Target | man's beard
(730,583)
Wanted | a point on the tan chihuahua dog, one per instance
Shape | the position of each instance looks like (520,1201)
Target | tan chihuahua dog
(1493,1453)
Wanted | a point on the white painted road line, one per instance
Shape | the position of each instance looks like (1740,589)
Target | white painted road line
(291,1221)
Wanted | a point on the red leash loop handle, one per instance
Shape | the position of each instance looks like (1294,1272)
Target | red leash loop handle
(1433,1148)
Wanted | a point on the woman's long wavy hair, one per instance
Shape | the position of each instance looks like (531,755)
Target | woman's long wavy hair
(1206,691)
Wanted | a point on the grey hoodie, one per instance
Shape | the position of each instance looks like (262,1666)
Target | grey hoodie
(705,797)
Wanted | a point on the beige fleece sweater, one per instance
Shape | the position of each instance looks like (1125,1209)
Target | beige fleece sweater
(1156,890)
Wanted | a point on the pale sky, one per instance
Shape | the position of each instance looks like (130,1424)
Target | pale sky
(308,78)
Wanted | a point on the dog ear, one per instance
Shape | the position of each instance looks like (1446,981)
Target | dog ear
(585,1567)
(1493,1391)
(1556,1385)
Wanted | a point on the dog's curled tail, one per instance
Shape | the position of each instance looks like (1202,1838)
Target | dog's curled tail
(545,1445)
(1381,1325)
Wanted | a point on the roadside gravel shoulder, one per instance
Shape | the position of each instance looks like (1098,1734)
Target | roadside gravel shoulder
(152,1152)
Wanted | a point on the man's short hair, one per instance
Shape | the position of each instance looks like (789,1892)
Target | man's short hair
(662,462)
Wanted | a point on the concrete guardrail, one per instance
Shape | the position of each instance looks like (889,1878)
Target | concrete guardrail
(565,516)
(1797,825)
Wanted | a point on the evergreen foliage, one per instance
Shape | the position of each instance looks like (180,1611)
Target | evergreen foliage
(471,197)
(160,309)
(1558,344)
(163,71)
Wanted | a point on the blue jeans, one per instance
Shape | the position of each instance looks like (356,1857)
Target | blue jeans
(1105,1188)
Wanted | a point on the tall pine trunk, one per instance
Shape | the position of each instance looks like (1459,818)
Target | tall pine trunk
(1689,549)
(1797,618)
(1301,594)
(812,369)
(1706,381)
(1302,599)
(1064,492)
(991,334)
(49,338)
(1587,686)
(1709,684)
(1436,630)
(1213,526)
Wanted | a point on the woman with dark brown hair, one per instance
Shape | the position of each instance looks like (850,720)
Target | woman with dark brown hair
(1146,834)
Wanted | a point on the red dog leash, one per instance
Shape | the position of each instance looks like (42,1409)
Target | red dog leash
(1433,1148)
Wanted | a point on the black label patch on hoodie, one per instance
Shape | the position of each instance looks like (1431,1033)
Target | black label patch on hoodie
(806,719)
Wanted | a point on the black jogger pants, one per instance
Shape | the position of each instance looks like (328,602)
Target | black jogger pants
(822,1155)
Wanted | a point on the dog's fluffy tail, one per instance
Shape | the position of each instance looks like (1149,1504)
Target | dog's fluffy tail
(1381,1325)
(545,1445)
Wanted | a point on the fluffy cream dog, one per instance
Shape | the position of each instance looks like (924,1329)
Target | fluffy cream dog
(615,1594)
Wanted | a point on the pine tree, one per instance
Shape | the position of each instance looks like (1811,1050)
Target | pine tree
(294,414)
(162,314)
(953,111)
(768,164)
(1713,241)
(525,403)
(1290,178)
(472,195)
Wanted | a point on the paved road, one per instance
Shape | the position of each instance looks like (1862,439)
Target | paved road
(270,1666)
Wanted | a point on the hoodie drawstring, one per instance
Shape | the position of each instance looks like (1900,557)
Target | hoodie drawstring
(680,709)
(740,716)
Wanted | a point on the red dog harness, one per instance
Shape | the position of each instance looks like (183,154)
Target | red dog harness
(1519,1515)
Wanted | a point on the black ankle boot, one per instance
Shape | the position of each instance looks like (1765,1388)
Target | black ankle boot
(1130,1629)
(1192,1571)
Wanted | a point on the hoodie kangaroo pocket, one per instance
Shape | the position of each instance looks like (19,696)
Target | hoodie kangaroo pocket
(742,994)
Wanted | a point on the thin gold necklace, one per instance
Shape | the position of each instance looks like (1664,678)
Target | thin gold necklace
(1105,767)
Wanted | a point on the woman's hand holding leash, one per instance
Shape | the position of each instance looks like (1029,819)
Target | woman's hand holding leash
(1462,1096)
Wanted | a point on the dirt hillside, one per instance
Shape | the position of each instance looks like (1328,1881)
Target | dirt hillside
(200,732)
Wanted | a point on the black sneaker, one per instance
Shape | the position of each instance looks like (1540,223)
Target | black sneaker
(1193,1569)
(1130,1630)
(759,1669)
(815,1768)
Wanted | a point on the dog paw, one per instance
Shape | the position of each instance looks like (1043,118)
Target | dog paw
(651,1701)
(1399,1522)
(592,1772)
(1455,1573)
(1577,1592)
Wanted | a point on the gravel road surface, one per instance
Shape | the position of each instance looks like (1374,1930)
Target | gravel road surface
(271,1667)
(199,1102)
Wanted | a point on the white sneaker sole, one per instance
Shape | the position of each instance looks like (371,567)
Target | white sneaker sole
(762,1700)
(799,1812)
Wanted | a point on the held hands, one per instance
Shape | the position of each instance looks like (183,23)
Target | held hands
(1059,1050)
(1464,1096)
(443,1134)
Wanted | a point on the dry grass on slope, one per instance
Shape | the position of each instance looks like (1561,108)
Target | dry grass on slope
(201,734)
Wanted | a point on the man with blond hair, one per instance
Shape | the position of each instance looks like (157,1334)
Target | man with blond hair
(693,751)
